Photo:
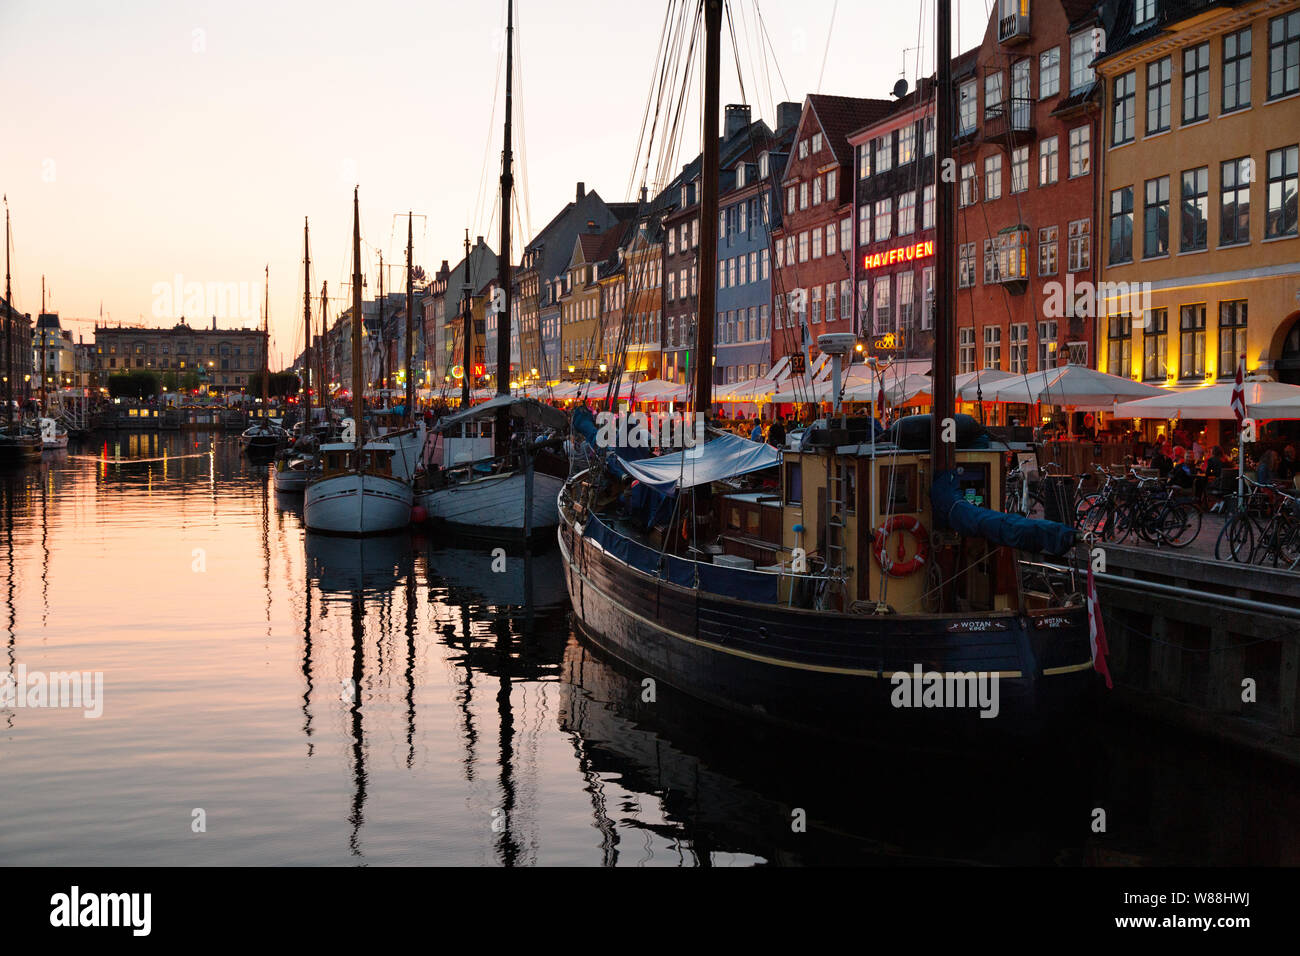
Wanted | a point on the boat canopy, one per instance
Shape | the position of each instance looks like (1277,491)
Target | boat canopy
(528,410)
(722,456)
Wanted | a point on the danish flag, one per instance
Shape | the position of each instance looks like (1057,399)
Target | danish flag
(1239,391)
(1097,633)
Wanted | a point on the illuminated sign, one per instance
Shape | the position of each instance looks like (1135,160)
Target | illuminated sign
(887,342)
(917,250)
(457,373)
(479,370)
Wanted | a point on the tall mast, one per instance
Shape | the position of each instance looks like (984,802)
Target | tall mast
(357,423)
(467,334)
(266,341)
(708,254)
(44,398)
(381,352)
(306,319)
(501,432)
(410,323)
(9,327)
(322,352)
(941,452)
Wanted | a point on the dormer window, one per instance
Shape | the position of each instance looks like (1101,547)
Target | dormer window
(762,165)
(1144,11)
(740,175)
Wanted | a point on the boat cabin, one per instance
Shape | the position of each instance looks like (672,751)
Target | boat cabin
(340,457)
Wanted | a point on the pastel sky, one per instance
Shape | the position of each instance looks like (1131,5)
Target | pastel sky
(152,139)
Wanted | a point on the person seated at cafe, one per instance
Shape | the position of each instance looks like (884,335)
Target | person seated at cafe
(1215,464)
(1290,467)
(1270,468)
(776,433)
(1162,459)
(1180,472)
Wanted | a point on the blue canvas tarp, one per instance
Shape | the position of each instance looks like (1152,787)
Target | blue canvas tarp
(723,456)
(1013,531)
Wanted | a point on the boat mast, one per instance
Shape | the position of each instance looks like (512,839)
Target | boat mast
(357,425)
(708,253)
(410,323)
(502,430)
(322,357)
(306,318)
(942,453)
(381,352)
(9,327)
(467,334)
(44,397)
(266,342)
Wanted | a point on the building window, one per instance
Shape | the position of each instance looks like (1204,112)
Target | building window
(993,177)
(830,242)
(832,298)
(969,189)
(993,346)
(992,95)
(965,350)
(803,195)
(846,299)
(1049,72)
(864,161)
(1020,169)
(927,298)
(1234,201)
(817,191)
(1048,161)
(817,243)
(966,108)
(816,311)
(1019,350)
(907,214)
(1196,203)
(817,142)
(883,318)
(1080,152)
(1124,108)
(1159,95)
(884,218)
(991,274)
(1155,218)
(1155,346)
(1119,344)
(803,247)
(1079,256)
(1236,71)
(864,224)
(1048,239)
(927,207)
(1232,336)
(1081,73)
(1192,339)
(864,306)
(1046,345)
(966,265)
(846,236)
(906,300)
(907,144)
(927,136)
(1280,217)
(1284,55)
(1196,83)
(1121,225)
(1144,11)
(885,152)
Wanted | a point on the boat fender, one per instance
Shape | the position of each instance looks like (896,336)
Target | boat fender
(912,526)
(419,515)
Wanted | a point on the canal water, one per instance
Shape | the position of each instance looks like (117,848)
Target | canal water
(270,696)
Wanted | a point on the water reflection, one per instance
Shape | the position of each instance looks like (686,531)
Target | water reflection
(406,700)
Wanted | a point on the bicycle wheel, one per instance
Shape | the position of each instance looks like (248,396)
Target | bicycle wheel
(1082,507)
(1098,521)
(1236,538)
(1184,527)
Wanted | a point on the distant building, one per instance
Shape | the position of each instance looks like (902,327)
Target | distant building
(54,359)
(225,359)
(20,335)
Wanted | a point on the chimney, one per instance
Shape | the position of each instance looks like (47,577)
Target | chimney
(214,323)
(479,242)
(644,194)
(787,115)
(582,191)
(736,120)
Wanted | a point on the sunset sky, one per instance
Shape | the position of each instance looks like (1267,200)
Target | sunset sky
(148,140)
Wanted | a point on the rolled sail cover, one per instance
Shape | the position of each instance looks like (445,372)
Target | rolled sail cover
(952,510)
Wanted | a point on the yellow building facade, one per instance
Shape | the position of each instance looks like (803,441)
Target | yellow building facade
(1197,200)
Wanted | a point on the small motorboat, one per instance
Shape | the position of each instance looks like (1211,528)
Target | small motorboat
(263,439)
(53,435)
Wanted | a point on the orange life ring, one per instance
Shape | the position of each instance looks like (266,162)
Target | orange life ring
(913,527)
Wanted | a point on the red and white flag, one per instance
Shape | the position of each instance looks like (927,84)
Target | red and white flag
(1239,391)
(1097,633)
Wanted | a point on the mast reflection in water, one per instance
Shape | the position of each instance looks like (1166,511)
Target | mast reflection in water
(482,731)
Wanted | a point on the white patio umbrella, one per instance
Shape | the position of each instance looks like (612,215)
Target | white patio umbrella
(969,385)
(1074,385)
(1215,402)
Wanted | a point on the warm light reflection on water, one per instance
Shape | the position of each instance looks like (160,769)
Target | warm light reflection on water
(482,731)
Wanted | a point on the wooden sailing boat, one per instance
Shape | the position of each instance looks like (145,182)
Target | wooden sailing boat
(20,442)
(357,492)
(772,583)
(510,496)
(264,438)
(294,468)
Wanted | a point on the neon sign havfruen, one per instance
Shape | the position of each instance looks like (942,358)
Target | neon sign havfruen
(917,250)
